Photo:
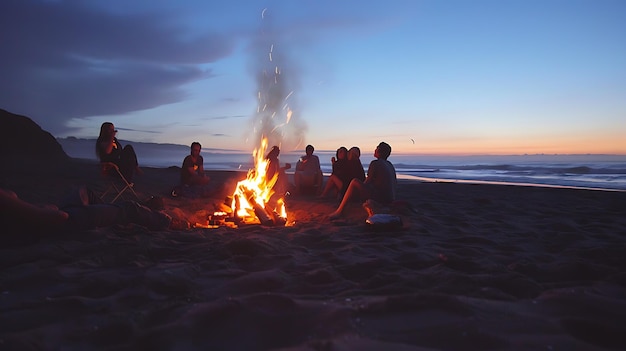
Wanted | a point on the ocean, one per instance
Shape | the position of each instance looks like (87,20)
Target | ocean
(582,171)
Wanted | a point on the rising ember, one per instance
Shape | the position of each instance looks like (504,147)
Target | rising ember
(275,122)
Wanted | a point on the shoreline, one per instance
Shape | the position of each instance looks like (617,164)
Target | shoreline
(489,182)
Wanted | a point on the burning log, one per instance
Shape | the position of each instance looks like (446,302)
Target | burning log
(254,199)
(278,220)
(236,205)
(259,211)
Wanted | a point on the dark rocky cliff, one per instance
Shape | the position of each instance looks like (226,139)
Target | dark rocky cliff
(20,137)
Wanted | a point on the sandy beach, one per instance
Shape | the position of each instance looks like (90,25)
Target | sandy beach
(475,267)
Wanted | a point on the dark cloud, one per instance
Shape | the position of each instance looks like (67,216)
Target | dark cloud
(63,60)
(139,130)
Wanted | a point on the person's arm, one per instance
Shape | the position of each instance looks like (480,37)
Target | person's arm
(201,167)
(106,146)
(371,172)
(317,165)
(303,163)
(188,165)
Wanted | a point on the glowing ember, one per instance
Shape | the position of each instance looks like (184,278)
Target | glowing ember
(253,196)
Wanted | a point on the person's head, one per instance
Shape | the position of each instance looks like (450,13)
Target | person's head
(342,153)
(107,130)
(274,152)
(309,150)
(354,153)
(383,150)
(195,148)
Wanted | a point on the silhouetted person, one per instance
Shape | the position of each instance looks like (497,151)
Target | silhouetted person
(109,149)
(308,172)
(274,168)
(339,175)
(192,172)
(379,185)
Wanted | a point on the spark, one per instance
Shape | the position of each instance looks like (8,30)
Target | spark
(275,128)
(263,12)
(288,95)
(413,141)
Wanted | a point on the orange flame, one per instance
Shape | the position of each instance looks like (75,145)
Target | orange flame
(257,188)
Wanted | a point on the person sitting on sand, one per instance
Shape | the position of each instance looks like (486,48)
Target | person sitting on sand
(109,149)
(339,173)
(308,172)
(79,210)
(355,167)
(192,172)
(379,185)
(274,168)
(351,168)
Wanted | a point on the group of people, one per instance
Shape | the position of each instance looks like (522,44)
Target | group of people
(347,180)
(110,151)
(82,209)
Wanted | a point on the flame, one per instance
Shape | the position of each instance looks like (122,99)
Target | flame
(257,188)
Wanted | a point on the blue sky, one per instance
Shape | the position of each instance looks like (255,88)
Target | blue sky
(434,77)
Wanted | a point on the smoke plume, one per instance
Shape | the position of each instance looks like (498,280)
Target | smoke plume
(277,117)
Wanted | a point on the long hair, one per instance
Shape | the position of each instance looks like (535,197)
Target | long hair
(104,135)
(274,152)
(342,148)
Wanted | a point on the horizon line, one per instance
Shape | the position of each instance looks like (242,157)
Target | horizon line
(399,153)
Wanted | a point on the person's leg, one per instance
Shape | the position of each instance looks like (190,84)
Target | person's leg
(328,186)
(94,216)
(356,188)
(18,212)
(282,184)
(306,183)
(319,181)
(198,180)
(128,163)
(297,179)
(134,212)
(332,183)
(80,196)
(106,215)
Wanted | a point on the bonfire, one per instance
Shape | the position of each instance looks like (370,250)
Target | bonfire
(254,199)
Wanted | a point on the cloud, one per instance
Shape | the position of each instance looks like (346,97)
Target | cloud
(139,130)
(223,117)
(62,60)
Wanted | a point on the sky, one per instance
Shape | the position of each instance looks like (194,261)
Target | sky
(425,76)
